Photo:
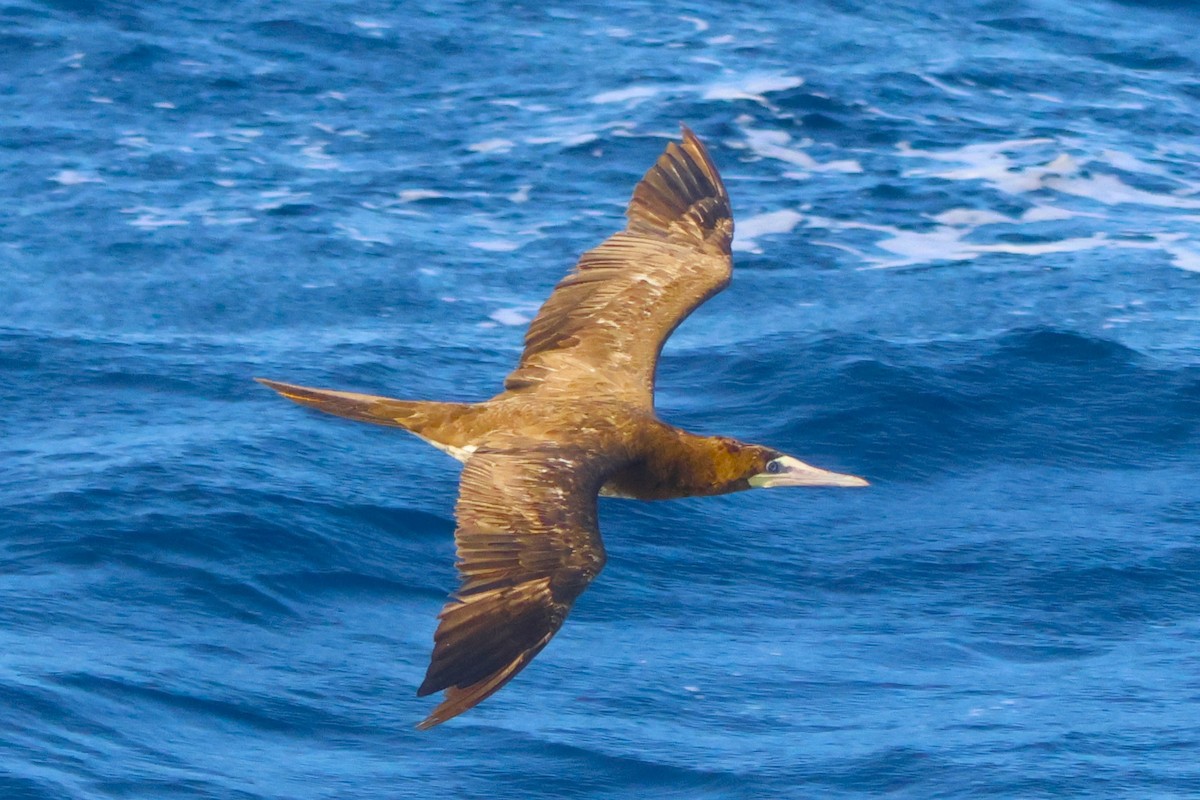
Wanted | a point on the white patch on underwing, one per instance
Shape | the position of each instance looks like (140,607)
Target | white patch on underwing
(458,453)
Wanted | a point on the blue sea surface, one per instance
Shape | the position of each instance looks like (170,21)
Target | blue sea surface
(967,267)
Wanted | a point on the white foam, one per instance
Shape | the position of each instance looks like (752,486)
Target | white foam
(1049,214)
(943,243)
(71,177)
(747,231)
(512,102)
(751,87)
(701,25)
(509,316)
(210,219)
(948,244)
(989,162)
(491,146)
(496,245)
(359,235)
(1184,254)
(1129,163)
(565,139)
(277,198)
(775,144)
(413,195)
(638,93)
(317,158)
(945,87)
(1044,248)
(948,241)
(970,216)
(152,218)
(1111,190)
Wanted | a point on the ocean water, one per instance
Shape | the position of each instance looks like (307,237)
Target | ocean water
(967,267)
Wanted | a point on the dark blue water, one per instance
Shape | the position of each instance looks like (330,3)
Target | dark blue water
(967,267)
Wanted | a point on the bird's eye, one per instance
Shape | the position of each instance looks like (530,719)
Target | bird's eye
(774,467)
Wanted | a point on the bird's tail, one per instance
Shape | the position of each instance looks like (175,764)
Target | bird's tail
(432,421)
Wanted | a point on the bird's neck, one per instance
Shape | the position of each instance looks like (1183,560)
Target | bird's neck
(673,463)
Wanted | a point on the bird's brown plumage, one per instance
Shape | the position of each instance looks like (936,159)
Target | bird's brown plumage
(575,420)
(527,547)
(601,330)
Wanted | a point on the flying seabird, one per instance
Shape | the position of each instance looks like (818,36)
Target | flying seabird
(575,420)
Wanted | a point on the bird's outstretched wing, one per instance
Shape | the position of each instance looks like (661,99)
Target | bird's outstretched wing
(601,330)
(527,547)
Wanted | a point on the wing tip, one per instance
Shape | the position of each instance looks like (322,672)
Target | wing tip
(289,390)
(683,194)
(351,405)
(689,137)
(458,699)
(304,395)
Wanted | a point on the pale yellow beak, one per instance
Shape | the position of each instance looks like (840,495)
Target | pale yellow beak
(795,472)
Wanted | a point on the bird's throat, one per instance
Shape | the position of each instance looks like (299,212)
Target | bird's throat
(674,464)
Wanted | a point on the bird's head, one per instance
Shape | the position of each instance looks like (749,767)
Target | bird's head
(769,468)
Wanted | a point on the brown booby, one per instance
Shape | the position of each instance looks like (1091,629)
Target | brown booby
(576,420)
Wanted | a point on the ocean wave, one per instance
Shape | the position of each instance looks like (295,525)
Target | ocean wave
(965,263)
